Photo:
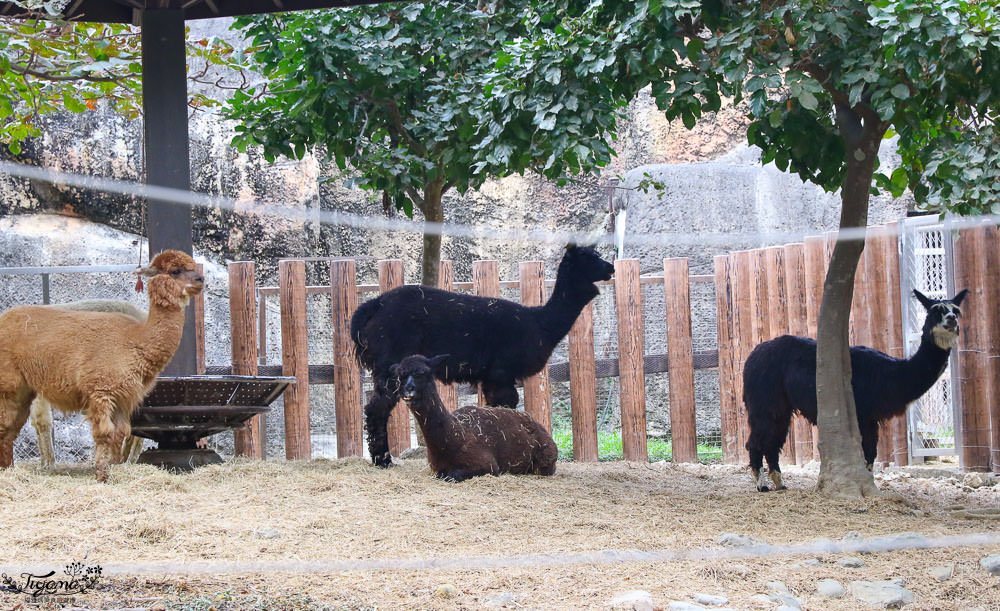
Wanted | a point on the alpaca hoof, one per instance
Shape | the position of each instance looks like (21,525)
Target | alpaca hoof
(782,488)
(763,489)
(384,461)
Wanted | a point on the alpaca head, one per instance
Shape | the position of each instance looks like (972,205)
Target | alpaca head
(415,374)
(941,323)
(584,265)
(175,279)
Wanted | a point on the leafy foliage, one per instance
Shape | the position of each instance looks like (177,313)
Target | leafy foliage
(49,65)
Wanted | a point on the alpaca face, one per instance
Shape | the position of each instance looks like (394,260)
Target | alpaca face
(942,318)
(180,267)
(414,374)
(586,263)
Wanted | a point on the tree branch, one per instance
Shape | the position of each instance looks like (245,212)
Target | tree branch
(397,123)
(54,78)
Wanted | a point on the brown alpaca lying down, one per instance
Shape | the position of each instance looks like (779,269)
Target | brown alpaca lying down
(473,440)
(100,363)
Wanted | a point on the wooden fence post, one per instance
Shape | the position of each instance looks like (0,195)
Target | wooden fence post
(815,256)
(975,421)
(199,326)
(346,372)
(390,275)
(295,358)
(447,392)
(729,411)
(894,327)
(874,326)
(777,303)
(248,440)
(760,298)
(628,302)
(991,296)
(795,289)
(744,288)
(485,283)
(680,356)
(583,386)
(537,395)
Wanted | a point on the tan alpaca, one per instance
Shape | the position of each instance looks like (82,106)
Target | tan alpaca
(100,363)
(41,409)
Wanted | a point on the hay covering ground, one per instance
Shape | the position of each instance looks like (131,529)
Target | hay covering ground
(349,510)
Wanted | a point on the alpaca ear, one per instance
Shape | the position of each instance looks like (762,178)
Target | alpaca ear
(957,299)
(924,300)
(571,246)
(436,361)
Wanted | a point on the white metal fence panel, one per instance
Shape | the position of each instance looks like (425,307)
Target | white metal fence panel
(926,261)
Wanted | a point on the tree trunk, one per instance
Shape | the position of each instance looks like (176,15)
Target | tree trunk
(842,467)
(433,212)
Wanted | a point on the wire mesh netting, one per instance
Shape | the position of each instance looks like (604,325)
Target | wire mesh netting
(926,263)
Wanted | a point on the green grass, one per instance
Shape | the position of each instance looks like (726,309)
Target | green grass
(609,445)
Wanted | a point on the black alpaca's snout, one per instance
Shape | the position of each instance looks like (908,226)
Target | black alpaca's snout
(409,389)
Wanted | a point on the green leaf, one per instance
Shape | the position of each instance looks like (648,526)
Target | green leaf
(808,100)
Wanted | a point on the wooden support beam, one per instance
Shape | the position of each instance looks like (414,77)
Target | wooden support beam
(447,392)
(680,351)
(390,275)
(795,289)
(583,386)
(972,344)
(485,283)
(537,394)
(817,251)
(248,440)
(873,326)
(628,302)
(894,329)
(347,374)
(295,358)
(777,315)
(990,264)
(728,392)
(744,289)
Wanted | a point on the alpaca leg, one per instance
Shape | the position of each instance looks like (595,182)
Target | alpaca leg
(41,421)
(756,466)
(502,394)
(460,475)
(869,443)
(377,420)
(774,470)
(100,411)
(14,409)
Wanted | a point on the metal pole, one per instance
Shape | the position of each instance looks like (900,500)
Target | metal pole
(165,147)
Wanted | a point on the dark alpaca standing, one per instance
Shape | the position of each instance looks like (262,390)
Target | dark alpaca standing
(473,440)
(779,378)
(490,342)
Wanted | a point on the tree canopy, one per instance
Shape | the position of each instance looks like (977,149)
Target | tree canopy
(397,94)
(49,65)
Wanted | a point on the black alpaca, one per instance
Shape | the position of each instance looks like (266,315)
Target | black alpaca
(490,342)
(472,441)
(779,378)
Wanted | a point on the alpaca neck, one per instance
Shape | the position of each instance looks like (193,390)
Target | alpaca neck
(161,335)
(435,421)
(923,369)
(559,313)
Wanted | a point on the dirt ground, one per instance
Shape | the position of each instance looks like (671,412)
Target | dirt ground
(173,541)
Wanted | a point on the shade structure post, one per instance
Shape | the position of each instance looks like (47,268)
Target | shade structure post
(166,151)
(448,392)
(631,380)
(485,283)
(680,355)
(295,358)
(537,396)
(346,371)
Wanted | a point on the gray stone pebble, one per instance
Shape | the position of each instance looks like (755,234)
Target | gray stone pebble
(735,540)
(884,594)
(710,599)
(991,564)
(851,562)
(830,588)
(943,572)
(636,600)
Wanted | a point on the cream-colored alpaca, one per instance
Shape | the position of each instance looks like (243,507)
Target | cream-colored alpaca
(41,409)
(100,363)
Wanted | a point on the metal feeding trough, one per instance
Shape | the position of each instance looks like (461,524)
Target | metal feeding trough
(181,410)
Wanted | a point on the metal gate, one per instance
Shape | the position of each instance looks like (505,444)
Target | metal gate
(926,261)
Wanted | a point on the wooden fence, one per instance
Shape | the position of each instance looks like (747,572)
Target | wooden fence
(581,370)
(760,294)
(767,292)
